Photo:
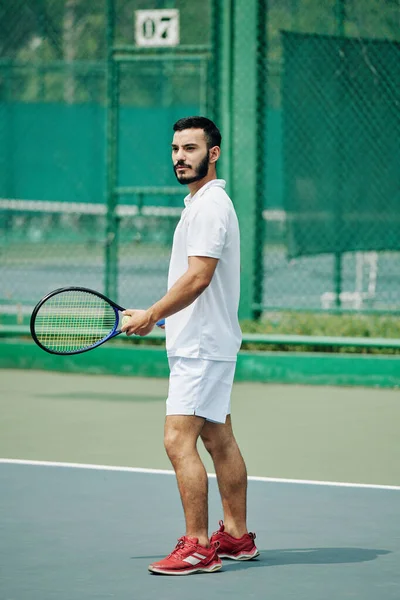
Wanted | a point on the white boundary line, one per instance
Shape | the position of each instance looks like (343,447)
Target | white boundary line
(43,463)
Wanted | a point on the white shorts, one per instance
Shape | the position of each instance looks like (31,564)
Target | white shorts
(200,387)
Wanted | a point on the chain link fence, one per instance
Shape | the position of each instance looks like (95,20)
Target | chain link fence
(88,96)
(52,102)
(333,131)
(86,115)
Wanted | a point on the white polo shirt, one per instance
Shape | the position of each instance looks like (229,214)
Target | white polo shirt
(209,327)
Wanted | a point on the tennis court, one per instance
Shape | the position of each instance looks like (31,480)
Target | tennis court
(88,499)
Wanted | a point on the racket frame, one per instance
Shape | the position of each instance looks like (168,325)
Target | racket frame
(113,333)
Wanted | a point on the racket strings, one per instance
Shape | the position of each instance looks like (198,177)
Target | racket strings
(74,320)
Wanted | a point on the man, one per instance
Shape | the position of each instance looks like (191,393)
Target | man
(203,338)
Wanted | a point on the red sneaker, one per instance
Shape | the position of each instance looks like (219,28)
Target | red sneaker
(188,557)
(242,548)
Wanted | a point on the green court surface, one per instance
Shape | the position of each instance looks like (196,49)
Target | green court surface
(286,431)
(323,491)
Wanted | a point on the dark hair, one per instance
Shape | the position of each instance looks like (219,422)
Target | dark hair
(211,131)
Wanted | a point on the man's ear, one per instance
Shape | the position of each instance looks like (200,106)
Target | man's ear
(214,154)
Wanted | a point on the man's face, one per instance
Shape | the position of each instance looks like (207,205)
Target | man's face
(190,155)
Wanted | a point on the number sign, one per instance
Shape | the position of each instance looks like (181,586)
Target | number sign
(157,27)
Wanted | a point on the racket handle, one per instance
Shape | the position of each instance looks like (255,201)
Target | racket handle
(159,323)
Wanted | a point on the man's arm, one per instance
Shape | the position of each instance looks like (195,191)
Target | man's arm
(184,291)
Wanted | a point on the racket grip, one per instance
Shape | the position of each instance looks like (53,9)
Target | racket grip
(159,323)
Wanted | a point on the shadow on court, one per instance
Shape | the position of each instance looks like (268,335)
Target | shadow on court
(309,556)
(101,397)
(298,556)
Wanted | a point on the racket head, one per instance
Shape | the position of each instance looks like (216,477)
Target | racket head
(72,320)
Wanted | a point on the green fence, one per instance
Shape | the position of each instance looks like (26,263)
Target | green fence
(307,96)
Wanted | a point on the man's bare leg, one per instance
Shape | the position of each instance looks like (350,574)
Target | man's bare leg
(180,439)
(231,474)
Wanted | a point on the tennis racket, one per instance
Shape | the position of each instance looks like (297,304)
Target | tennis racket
(72,320)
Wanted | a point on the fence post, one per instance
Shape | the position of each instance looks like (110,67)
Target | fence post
(111,247)
(223,10)
(338,255)
(248,144)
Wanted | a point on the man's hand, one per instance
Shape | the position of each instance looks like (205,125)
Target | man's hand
(138,322)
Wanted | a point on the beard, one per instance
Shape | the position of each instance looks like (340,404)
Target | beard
(200,171)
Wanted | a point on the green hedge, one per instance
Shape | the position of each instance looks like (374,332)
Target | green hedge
(328,325)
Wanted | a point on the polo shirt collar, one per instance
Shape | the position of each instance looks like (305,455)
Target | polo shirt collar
(213,183)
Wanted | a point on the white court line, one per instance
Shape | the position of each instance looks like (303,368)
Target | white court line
(43,463)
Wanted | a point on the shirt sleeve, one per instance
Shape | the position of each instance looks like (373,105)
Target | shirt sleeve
(206,231)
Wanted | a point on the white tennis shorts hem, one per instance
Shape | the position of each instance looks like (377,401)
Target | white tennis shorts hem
(200,387)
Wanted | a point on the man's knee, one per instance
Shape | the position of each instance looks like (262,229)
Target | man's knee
(179,439)
(174,442)
(217,444)
(209,444)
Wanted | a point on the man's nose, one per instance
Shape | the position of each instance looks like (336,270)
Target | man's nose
(180,155)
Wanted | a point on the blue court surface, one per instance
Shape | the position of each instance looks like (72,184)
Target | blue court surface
(74,533)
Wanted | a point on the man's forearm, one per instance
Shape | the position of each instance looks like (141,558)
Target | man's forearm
(179,296)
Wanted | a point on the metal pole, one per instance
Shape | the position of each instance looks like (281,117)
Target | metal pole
(340,17)
(224,77)
(111,247)
(338,257)
(262,108)
(295,14)
(248,144)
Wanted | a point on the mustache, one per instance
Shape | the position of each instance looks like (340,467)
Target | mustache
(182,164)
